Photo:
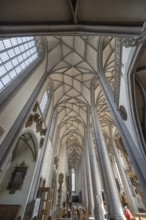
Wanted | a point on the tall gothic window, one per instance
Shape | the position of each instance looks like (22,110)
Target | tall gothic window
(73,180)
(16,55)
(44,104)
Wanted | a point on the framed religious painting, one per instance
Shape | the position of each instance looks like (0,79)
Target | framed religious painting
(17,178)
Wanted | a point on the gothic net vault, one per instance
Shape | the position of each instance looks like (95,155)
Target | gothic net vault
(72,112)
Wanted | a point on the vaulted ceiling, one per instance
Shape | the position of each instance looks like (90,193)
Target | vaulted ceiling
(73,66)
(74,29)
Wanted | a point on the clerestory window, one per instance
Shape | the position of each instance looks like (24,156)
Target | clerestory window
(73,180)
(16,55)
(44,104)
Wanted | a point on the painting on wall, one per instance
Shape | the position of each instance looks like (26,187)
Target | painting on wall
(17,178)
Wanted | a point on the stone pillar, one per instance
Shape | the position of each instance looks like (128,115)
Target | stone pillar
(81,181)
(114,201)
(89,182)
(53,125)
(128,193)
(85,187)
(52,170)
(53,136)
(84,180)
(97,190)
(57,138)
(136,157)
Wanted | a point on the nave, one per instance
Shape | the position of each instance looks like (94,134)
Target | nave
(72,127)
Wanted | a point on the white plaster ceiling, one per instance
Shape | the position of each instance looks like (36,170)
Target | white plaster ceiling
(73,65)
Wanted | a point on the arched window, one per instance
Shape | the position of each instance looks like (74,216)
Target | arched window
(44,104)
(73,180)
(18,56)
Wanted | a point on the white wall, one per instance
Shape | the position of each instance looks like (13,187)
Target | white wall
(127,54)
(20,196)
(47,163)
(16,104)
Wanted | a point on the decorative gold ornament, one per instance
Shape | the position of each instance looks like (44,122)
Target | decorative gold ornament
(35,107)
(36,116)
(123,112)
(39,124)
(56,162)
(60,178)
(29,121)
(41,142)
(43,131)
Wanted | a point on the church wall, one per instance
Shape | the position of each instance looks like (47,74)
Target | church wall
(20,196)
(124,97)
(30,128)
(48,83)
(23,196)
(47,163)
(16,104)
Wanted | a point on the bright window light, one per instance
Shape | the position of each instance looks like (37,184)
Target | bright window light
(16,55)
(73,179)
(45,101)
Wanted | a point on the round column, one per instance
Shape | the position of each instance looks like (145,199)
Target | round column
(89,182)
(98,201)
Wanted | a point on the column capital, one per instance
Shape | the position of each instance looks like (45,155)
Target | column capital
(134,40)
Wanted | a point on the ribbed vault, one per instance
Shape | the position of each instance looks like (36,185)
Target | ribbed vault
(73,65)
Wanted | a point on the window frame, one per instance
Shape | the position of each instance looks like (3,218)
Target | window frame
(73,171)
(48,92)
(9,91)
(44,102)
